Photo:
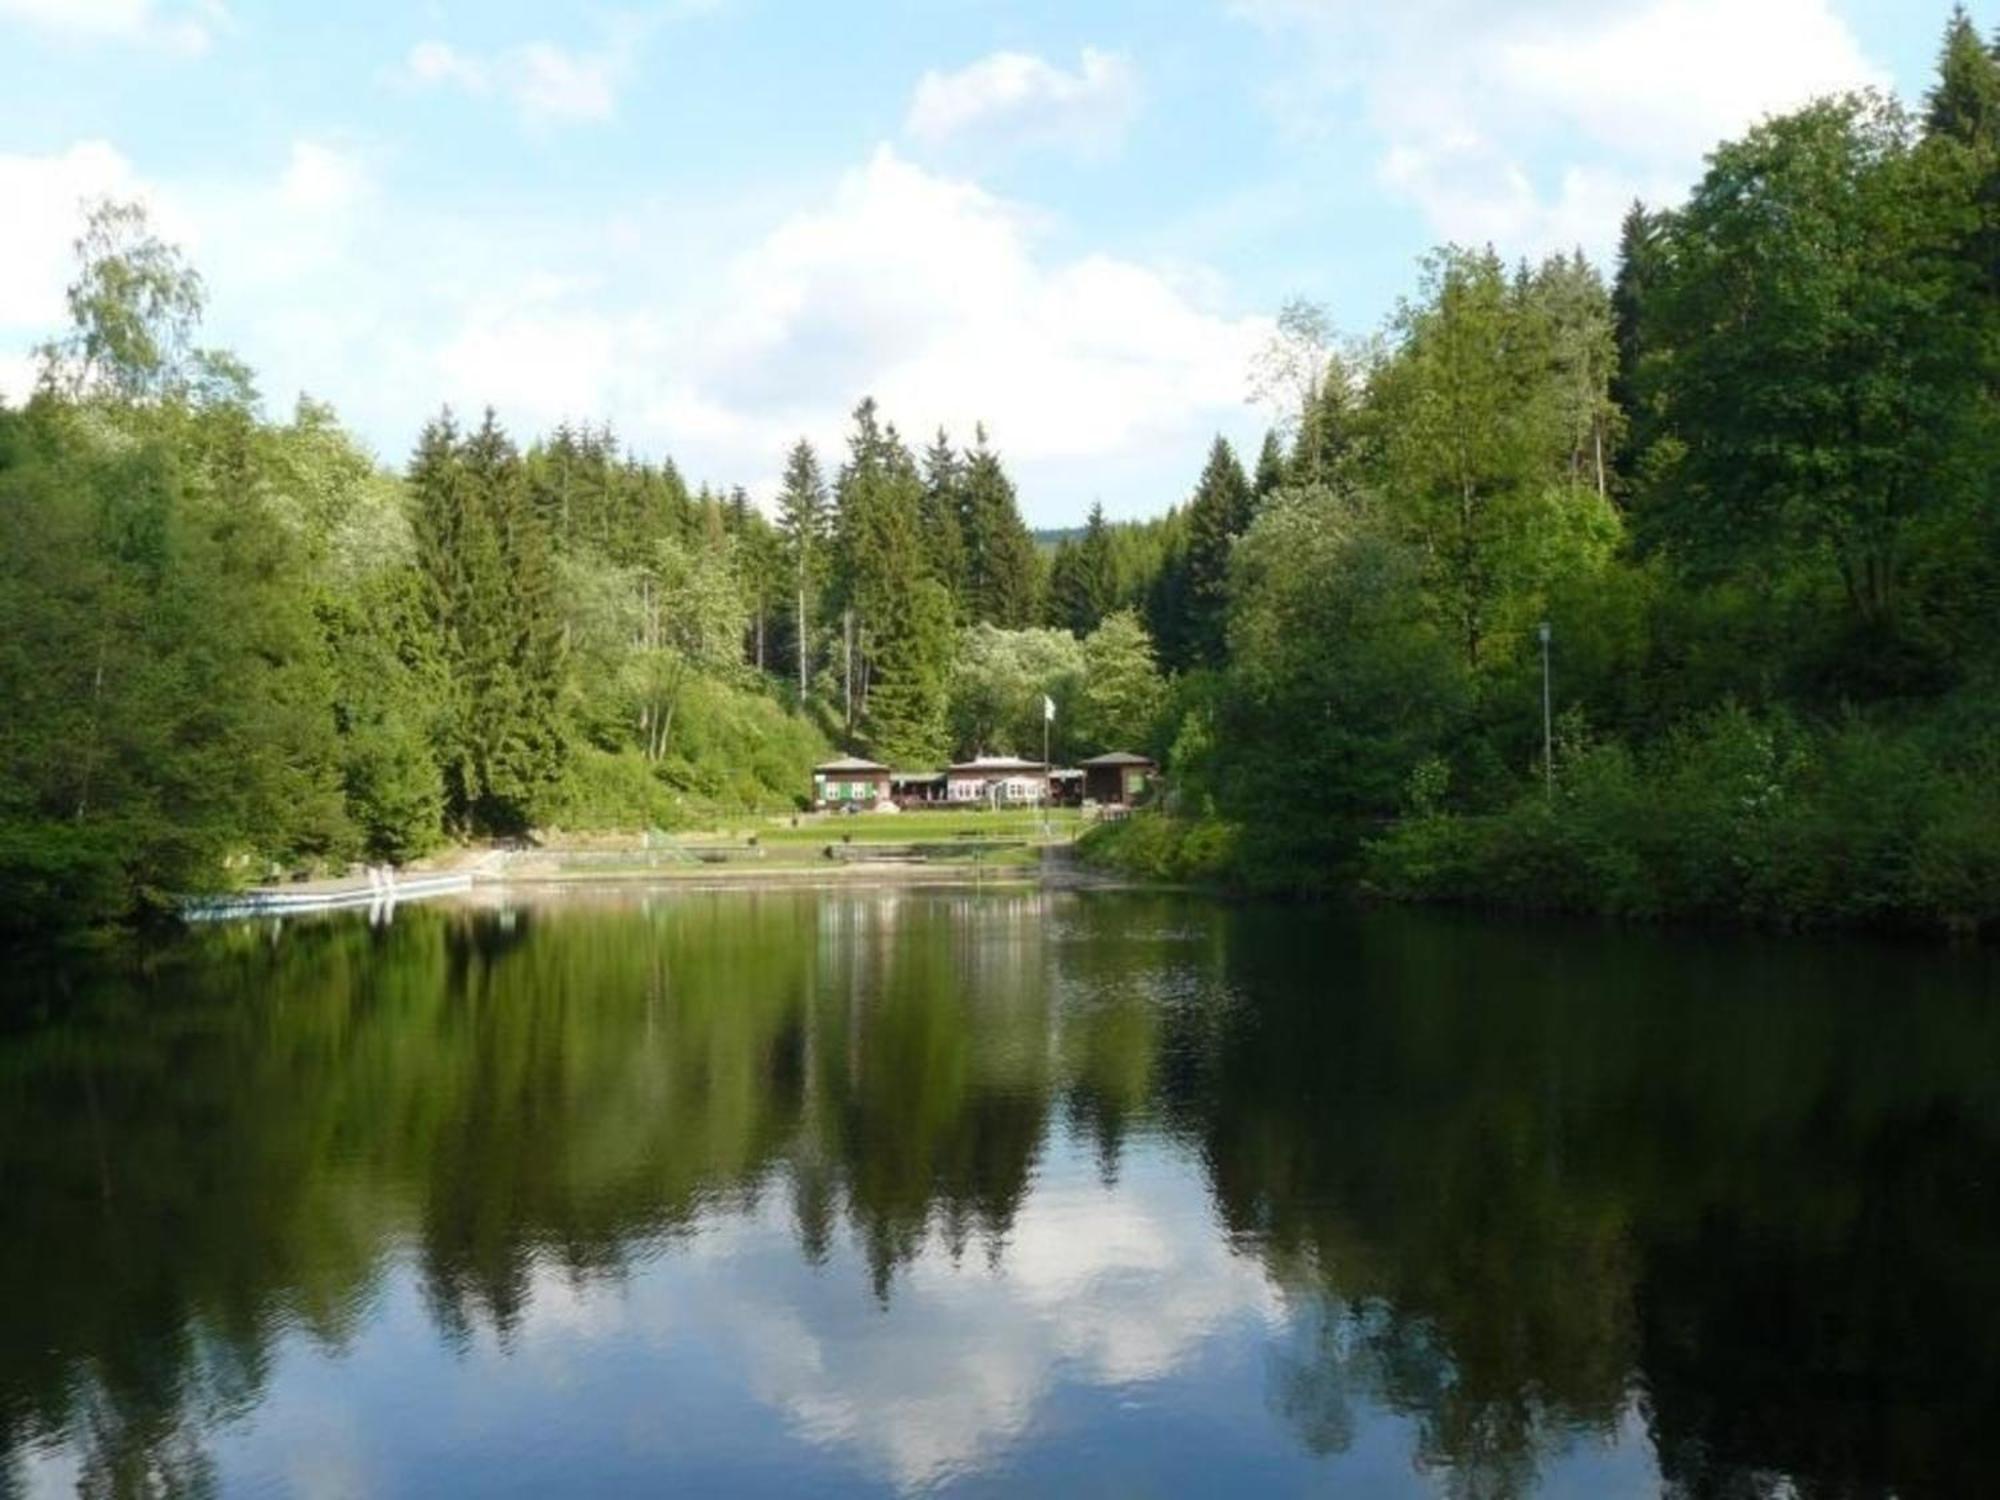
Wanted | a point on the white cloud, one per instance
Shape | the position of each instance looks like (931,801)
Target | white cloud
(439,62)
(17,378)
(1010,99)
(930,292)
(924,290)
(547,84)
(255,240)
(1532,123)
(186,29)
(44,196)
(1099,376)
(320,179)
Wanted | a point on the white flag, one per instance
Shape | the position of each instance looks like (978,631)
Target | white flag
(1048,709)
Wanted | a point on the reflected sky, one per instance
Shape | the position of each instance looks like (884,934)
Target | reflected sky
(914,1193)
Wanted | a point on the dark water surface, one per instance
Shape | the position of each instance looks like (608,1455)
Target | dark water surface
(873,1192)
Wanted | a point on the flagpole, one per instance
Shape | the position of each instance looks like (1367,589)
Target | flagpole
(1048,777)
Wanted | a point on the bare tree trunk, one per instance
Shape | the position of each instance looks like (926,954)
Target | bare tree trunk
(847,668)
(90,739)
(803,647)
(667,715)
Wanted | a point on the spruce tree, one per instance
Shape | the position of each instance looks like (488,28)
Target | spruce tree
(1002,566)
(802,522)
(490,589)
(912,645)
(1083,582)
(1638,249)
(941,520)
(1964,104)
(880,555)
(1324,449)
(1218,513)
(1270,471)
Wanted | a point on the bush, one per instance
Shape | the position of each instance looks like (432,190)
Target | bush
(1156,846)
(60,877)
(606,790)
(1737,816)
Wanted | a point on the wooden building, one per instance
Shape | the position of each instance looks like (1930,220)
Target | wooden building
(1118,779)
(997,781)
(917,788)
(850,782)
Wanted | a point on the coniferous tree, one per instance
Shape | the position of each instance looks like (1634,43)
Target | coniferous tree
(1270,470)
(1963,107)
(1217,513)
(491,592)
(1325,450)
(1083,580)
(1638,251)
(1964,104)
(880,552)
(911,645)
(802,522)
(1569,311)
(1002,567)
(942,520)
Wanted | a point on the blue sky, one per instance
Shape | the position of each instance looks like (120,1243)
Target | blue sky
(718,223)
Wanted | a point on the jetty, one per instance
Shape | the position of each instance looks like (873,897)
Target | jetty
(381,888)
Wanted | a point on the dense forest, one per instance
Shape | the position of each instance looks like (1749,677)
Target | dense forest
(1744,486)
(1749,487)
(236,645)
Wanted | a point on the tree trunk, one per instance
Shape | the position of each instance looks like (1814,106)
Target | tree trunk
(90,739)
(847,669)
(803,650)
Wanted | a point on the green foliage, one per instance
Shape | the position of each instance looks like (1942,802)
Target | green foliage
(1120,693)
(909,696)
(1083,579)
(134,309)
(942,515)
(165,678)
(1341,679)
(999,678)
(1840,416)
(1964,103)
(1003,569)
(232,646)
(1739,816)
(486,556)
(1153,846)
(1217,513)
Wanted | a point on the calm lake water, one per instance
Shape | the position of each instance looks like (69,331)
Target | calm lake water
(876,1192)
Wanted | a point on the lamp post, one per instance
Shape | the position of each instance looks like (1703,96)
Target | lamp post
(1548,721)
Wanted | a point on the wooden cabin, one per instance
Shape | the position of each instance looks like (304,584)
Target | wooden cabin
(1118,779)
(997,781)
(850,782)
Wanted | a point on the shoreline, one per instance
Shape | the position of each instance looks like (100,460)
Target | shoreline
(498,873)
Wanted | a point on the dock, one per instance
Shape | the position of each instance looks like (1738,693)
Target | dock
(382,888)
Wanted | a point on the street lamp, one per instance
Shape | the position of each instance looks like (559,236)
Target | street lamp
(1548,722)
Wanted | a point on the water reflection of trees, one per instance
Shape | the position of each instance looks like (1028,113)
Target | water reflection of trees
(1517,1189)
(1743,1191)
